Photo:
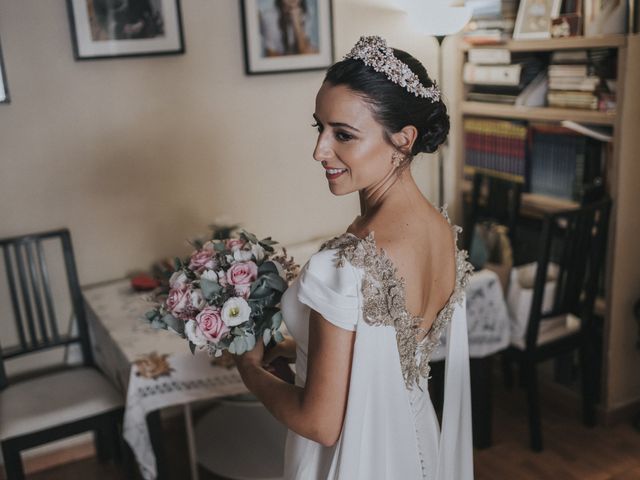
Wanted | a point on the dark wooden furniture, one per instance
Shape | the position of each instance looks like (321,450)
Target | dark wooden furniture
(494,199)
(575,241)
(49,402)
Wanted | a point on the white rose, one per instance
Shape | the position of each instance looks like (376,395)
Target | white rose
(178,279)
(210,275)
(235,311)
(197,299)
(230,258)
(194,334)
(242,255)
(257,252)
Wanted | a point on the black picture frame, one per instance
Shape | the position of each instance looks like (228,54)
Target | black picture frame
(264,44)
(4,88)
(151,28)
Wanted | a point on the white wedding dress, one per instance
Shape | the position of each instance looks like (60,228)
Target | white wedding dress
(390,429)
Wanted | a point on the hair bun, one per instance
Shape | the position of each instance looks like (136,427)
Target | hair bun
(437,128)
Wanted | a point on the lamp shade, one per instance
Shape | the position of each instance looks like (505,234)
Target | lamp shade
(437,17)
(433,17)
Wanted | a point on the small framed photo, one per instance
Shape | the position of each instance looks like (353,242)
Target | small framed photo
(4,89)
(125,28)
(287,35)
(534,18)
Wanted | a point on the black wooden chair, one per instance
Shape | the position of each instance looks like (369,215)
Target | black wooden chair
(574,240)
(496,199)
(49,402)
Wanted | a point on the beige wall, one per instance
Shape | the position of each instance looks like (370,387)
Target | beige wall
(134,155)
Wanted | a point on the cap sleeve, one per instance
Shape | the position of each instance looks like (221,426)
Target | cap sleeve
(329,289)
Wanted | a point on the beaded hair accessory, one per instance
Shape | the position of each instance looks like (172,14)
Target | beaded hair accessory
(374,52)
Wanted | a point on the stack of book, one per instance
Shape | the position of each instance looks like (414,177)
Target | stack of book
(563,163)
(492,21)
(495,75)
(497,147)
(573,82)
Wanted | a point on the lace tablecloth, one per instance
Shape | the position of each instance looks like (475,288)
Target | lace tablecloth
(122,338)
(487,317)
(132,353)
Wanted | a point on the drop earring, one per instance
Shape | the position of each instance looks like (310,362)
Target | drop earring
(397,159)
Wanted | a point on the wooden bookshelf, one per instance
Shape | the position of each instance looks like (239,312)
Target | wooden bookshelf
(495,110)
(620,276)
(567,43)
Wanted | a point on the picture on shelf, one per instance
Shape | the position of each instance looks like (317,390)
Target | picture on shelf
(4,90)
(287,35)
(107,29)
(534,18)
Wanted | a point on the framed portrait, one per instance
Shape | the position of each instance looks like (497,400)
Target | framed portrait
(287,35)
(4,89)
(125,28)
(534,18)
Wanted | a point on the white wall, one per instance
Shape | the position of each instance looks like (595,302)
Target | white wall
(134,155)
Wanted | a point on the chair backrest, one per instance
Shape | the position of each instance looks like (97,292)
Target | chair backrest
(30,288)
(493,198)
(575,241)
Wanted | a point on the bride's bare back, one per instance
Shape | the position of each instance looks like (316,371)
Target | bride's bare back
(421,246)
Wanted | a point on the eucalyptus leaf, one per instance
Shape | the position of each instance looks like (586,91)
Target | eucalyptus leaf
(277,336)
(173,323)
(151,314)
(159,324)
(210,288)
(266,267)
(250,342)
(218,246)
(232,348)
(266,337)
(276,320)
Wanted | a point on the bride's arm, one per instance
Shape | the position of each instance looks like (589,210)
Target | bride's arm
(317,410)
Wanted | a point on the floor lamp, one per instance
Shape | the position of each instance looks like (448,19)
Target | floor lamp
(438,18)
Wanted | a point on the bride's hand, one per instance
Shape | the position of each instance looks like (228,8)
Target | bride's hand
(252,358)
(285,349)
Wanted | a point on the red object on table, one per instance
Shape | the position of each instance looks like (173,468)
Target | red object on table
(144,282)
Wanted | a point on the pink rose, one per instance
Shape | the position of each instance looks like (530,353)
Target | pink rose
(202,260)
(242,273)
(179,301)
(211,324)
(234,244)
(243,291)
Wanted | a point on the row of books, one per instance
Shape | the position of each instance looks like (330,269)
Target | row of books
(565,79)
(548,159)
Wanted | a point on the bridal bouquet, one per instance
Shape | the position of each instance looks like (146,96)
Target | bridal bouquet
(225,296)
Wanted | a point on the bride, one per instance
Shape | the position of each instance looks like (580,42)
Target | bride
(368,308)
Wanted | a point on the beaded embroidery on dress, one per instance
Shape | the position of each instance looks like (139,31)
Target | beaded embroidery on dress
(384,303)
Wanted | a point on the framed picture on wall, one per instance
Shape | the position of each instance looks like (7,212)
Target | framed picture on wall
(4,89)
(287,35)
(108,29)
(534,18)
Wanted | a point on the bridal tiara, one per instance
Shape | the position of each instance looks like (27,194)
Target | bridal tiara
(374,52)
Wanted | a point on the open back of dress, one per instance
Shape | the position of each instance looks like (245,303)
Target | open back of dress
(390,429)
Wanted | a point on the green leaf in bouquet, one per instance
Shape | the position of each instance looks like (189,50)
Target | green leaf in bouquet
(250,342)
(151,314)
(173,323)
(192,347)
(266,267)
(276,320)
(178,263)
(219,246)
(277,336)
(266,284)
(266,337)
(237,331)
(210,288)
(249,236)
(158,324)
(238,346)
